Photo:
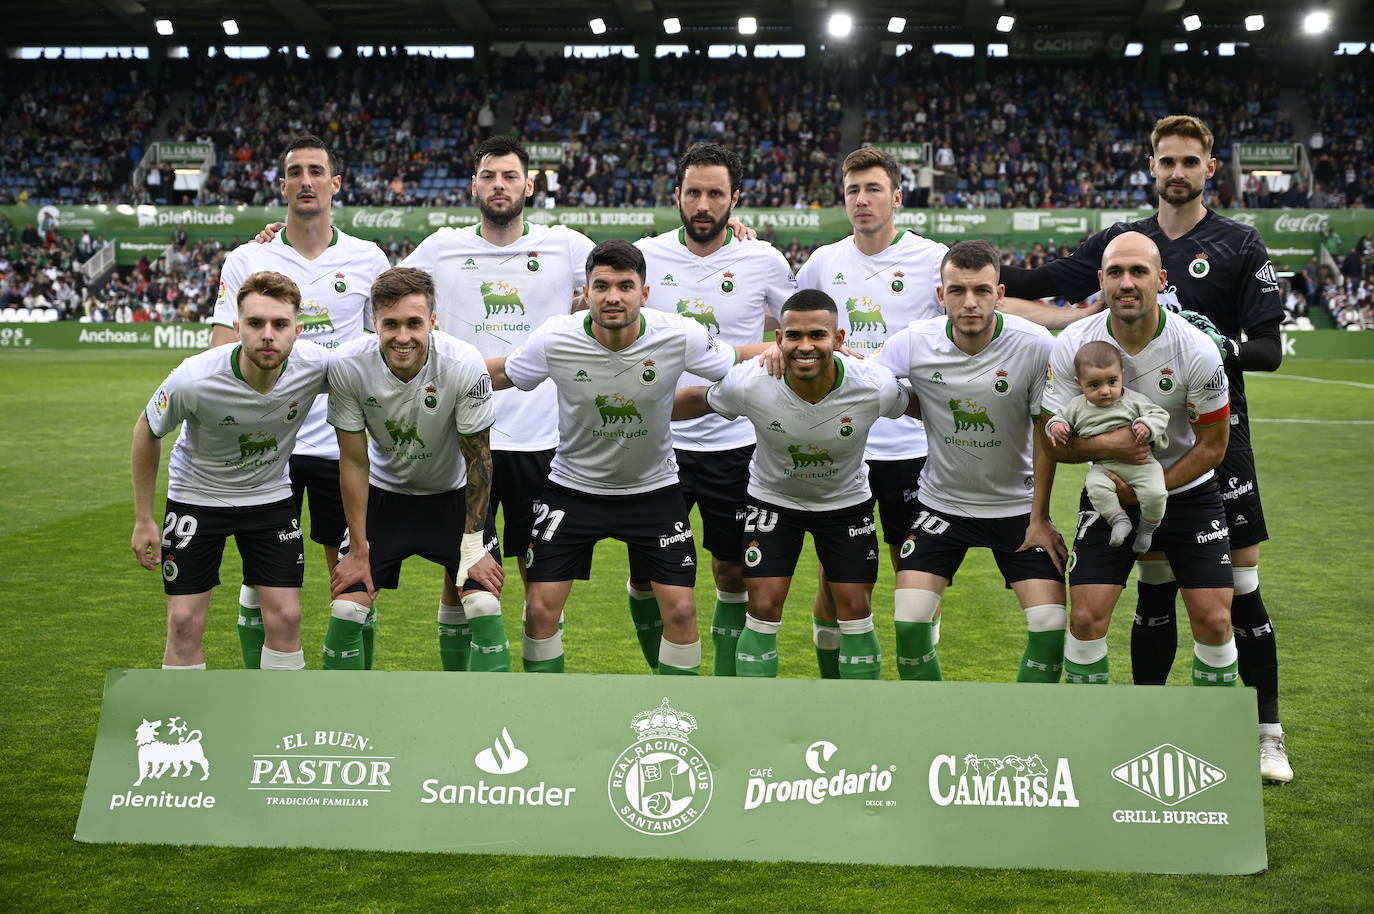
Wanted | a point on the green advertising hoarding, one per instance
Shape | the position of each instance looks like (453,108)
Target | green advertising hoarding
(1266,155)
(984,775)
(1291,235)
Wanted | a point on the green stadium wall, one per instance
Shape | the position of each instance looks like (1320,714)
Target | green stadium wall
(1292,235)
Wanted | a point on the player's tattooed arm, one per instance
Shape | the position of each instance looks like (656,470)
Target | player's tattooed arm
(477,453)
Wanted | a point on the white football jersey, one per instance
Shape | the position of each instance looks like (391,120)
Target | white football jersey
(729,292)
(1179,370)
(878,296)
(979,412)
(412,426)
(810,456)
(234,447)
(336,304)
(614,407)
(494,297)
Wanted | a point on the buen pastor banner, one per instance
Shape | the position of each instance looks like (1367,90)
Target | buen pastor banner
(960,774)
(146,230)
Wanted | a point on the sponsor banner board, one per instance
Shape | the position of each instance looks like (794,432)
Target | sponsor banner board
(984,775)
(146,230)
(545,153)
(184,152)
(906,153)
(1266,155)
(76,335)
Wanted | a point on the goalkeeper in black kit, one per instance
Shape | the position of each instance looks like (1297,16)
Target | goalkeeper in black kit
(1220,278)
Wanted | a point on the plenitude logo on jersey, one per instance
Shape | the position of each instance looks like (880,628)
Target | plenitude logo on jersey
(971,416)
(1169,776)
(315,317)
(502,759)
(335,768)
(1001,780)
(501,298)
(865,315)
(699,311)
(809,461)
(405,440)
(619,411)
(662,784)
(254,449)
(826,783)
(177,754)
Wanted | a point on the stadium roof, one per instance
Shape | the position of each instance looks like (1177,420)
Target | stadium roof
(322,23)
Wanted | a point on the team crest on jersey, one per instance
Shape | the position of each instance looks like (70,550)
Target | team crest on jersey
(1166,379)
(431,399)
(340,283)
(727,282)
(753,555)
(908,547)
(1192,411)
(529,555)
(1002,385)
(1200,267)
(846,427)
(170,569)
(291,410)
(649,374)
(533,263)
(898,284)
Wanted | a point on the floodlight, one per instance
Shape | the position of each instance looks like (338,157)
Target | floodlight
(672,25)
(231,27)
(840,25)
(1006,23)
(748,25)
(163,26)
(1254,23)
(598,26)
(1192,22)
(1316,22)
(896,25)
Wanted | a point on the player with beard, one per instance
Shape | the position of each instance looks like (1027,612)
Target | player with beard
(734,288)
(243,407)
(495,282)
(334,272)
(1220,269)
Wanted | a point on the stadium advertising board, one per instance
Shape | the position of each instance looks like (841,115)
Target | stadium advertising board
(1266,155)
(984,775)
(1291,235)
(75,335)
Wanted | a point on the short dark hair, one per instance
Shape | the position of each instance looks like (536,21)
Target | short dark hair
(972,255)
(1096,354)
(396,283)
(866,157)
(712,154)
(500,146)
(271,285)
(810,300)
(310,141)
(618,254)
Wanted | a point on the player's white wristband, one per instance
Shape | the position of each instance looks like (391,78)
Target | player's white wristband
(470,552)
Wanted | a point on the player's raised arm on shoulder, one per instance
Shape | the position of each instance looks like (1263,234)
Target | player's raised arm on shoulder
(1051,317)
(145,454)
(690,403)
(496,367)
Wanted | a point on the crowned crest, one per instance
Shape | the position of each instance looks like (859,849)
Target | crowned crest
(663,721)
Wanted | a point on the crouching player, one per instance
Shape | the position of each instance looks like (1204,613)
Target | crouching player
(807,474)
(422,484)
(242,407)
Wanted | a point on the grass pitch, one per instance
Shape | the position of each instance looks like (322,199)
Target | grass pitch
(74,604)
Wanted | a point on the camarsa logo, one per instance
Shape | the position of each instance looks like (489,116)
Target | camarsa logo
(1001,780)
(661,785)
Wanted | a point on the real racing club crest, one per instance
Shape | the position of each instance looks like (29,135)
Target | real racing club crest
(727,282)
(340,284)
(661,785)
(846,429)
(649,374)
(1001,385)
(533,263)
(1166,379)
(898,284)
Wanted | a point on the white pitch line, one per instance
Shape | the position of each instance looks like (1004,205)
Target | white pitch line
(1298,377)
(1254,421)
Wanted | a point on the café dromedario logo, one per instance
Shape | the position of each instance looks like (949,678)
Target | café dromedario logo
(661,785)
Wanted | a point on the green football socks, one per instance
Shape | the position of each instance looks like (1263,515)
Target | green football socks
(343,641)
(648,621)
(756,654)
(826,636)
(1215,664)
(454,637)
(726,625)
(860,655)
(1085,662)
(679,659)
(251,635)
